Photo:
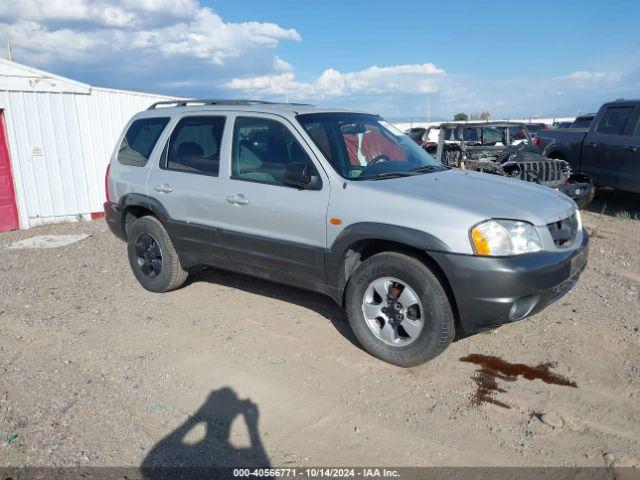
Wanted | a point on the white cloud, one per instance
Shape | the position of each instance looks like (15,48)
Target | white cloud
(121,32)
(588,78)
(113,13)
(403,79)
(279,65)
(208,37)
(265,84)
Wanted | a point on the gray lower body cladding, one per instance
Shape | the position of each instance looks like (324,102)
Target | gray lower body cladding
(113,216)
(487,288)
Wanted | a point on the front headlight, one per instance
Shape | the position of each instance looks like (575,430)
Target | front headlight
(505,237)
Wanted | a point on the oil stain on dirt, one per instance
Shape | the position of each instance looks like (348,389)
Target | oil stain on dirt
(491,369)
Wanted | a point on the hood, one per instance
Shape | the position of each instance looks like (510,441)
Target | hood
(482,195)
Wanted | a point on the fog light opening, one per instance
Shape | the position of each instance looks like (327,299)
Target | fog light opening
(522,307)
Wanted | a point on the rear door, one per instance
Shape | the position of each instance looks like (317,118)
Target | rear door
(606,148)
(272,226)
(187,181)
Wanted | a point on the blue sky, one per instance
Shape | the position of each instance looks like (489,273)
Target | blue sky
(513,59)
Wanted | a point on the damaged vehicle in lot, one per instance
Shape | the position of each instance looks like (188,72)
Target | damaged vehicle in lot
(426,138)
(344,204)
(506,149)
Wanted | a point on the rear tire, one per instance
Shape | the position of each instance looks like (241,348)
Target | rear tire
(152,257)
(434,332)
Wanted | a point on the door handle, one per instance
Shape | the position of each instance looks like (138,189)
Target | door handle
(631,148)
(238,199)
(164,188)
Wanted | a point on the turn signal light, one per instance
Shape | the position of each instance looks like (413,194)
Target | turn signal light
(480,242)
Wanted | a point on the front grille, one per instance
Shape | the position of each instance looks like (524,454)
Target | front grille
(541,172)
(564,232)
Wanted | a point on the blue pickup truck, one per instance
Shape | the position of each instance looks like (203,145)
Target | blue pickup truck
(608,152)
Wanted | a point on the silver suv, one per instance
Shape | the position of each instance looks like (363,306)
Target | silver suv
(341,203)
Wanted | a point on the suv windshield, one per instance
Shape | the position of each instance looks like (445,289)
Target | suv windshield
(362,146)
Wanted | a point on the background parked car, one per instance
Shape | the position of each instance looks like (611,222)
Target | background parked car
(534,128)
(561,124)
(427,138)
(608,152)
(583,121)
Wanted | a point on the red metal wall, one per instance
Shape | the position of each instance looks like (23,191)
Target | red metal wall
(8,209)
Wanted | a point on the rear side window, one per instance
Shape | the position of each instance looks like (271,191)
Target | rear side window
(492,135)
(517,133)
(138,142)
(470,135)
(450,134)
(614,120)
(194,146)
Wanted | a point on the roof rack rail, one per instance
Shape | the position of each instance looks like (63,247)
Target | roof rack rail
(207,101)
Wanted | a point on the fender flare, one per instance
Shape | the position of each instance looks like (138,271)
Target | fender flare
(141,200)
(336,264)
(556,148)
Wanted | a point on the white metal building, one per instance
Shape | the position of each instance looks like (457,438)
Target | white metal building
(59,135)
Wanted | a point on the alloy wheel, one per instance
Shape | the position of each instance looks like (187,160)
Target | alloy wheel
(149,255)
(393,312)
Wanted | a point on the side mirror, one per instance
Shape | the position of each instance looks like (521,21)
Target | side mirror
(300,175)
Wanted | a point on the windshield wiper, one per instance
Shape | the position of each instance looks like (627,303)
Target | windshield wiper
(381,176)
(425,168)
(408,173)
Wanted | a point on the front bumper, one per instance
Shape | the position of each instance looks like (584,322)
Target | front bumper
(576,190)
(491,291)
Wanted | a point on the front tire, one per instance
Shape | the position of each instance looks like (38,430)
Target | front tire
(586,201)
(398,309)
(152,257)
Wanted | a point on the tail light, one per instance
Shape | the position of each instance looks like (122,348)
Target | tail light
(536,141)
(106,183)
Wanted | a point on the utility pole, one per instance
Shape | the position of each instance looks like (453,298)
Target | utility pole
(10,55)
(428,108)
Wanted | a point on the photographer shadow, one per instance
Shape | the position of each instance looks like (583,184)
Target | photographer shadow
(174,456)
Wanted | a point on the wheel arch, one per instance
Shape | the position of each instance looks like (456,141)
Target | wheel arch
(556,152)
(136,205)
(358,242)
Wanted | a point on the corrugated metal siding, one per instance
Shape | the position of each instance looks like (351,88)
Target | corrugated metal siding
(60,144)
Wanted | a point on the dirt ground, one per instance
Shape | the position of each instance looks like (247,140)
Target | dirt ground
(96,371)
